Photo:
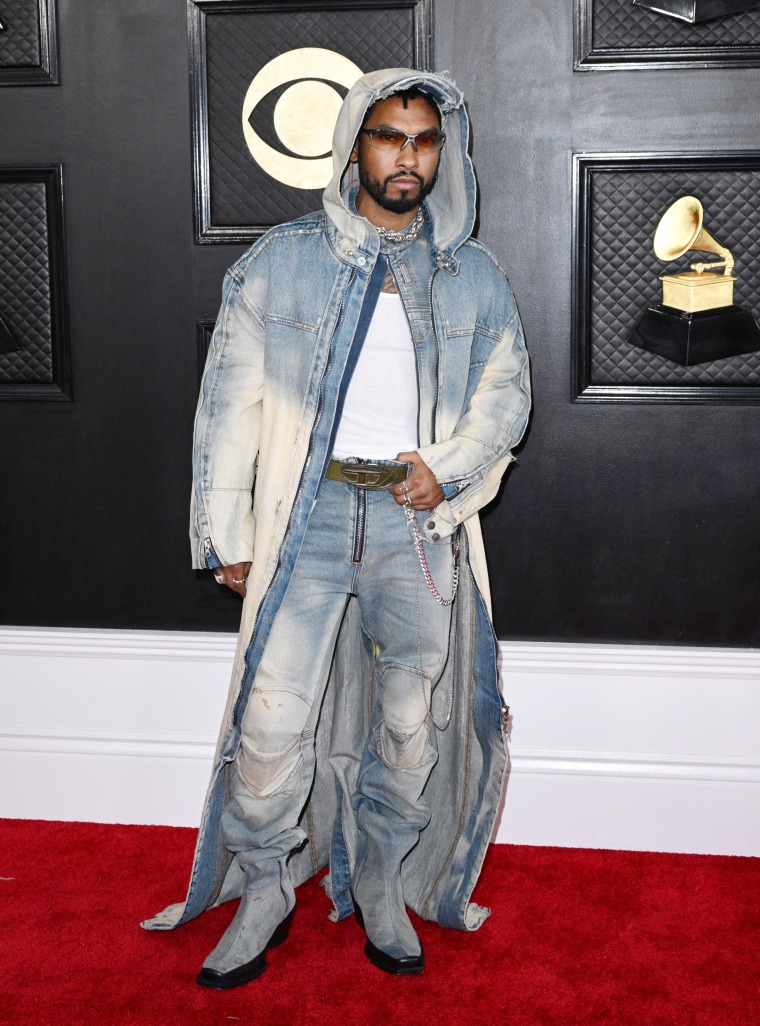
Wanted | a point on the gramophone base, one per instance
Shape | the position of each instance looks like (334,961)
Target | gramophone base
(695,11)
(690,338)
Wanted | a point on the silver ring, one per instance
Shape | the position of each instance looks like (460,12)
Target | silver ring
(405,486)
(241,580)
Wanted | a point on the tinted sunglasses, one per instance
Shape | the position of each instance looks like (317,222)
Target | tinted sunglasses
(391,140)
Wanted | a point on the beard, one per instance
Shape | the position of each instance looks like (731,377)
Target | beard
(402,204)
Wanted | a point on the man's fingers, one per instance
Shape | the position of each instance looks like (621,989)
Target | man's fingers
(419,497)
(421,489)
(238,577)
(409,457)
(234,576)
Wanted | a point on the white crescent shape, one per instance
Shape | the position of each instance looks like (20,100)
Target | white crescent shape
(306,62)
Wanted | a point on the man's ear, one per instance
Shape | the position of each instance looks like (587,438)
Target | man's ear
(354,154)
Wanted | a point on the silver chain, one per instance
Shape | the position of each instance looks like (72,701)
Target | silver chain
(419,544)
(408,234)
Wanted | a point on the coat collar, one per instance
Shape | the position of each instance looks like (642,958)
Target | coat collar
(362,247)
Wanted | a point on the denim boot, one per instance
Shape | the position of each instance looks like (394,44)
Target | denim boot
(390,814)
(258,830)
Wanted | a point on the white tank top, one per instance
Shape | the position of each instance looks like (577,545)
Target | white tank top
(380,411)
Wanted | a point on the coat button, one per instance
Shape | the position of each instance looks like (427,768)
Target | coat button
(361,261)
(436,537)
(431,524)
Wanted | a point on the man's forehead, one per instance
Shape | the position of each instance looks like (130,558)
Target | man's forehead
(393,108)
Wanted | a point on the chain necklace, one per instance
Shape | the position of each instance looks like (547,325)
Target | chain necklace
(408,234)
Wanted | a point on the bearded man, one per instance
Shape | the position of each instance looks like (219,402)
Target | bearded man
(368,371)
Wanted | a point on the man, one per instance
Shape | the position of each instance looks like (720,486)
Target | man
(368,362)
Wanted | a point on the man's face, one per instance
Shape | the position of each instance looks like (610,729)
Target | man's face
(395,182)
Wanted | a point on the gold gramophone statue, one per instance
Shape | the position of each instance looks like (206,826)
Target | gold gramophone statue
(697,320)
(695,11)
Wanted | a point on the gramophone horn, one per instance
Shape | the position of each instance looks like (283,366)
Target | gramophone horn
(680,229)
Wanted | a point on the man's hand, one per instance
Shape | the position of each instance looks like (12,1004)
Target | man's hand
(421,486)
(233,576)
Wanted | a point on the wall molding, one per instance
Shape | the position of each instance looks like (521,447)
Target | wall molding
(113,743)
(630,660)
(76,643)
(635,766)
(525,656)
(522,760)
(667,756)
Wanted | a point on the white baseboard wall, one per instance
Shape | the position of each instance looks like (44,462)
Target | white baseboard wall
(613,746)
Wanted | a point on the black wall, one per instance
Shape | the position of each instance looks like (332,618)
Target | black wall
(619,523)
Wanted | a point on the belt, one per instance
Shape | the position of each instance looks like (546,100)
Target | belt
(372,476)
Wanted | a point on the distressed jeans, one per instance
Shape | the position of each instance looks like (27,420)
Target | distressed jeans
(357,543)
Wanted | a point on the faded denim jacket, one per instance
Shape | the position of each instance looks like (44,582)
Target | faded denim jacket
(293,314)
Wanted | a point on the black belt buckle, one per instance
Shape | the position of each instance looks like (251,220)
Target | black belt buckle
(366,475)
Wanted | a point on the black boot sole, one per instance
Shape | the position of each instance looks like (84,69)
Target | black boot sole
(250,970)
(407,966)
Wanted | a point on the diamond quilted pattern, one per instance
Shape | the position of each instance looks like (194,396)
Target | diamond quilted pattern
(25,297)
(20,42)
(238,45)
(618,24)
(626,208)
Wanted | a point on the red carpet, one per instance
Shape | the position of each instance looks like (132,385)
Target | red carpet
(576,937)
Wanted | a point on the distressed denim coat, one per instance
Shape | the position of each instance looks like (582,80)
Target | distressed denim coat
(292,319)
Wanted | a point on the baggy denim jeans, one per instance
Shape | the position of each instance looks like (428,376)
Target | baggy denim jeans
(358,543)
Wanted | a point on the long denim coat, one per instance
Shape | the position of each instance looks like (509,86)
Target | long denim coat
(294,311)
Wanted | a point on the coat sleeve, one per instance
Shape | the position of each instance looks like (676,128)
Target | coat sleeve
(470,463)
(228,430)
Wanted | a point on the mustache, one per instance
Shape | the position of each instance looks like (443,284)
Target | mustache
(405,174)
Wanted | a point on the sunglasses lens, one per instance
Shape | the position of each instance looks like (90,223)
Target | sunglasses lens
(388,140)
(393,141)
(427,141)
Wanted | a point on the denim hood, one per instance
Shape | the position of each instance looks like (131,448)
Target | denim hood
(451,204)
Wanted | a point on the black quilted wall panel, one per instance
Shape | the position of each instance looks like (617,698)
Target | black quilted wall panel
(32,276)
(238,45)
(626,208)
(617,23)
(617,33)
(28,43)
(20,38)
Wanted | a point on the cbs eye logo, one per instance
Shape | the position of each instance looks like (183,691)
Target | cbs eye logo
(304,114)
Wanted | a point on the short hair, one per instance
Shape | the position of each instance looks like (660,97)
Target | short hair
(411,93)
